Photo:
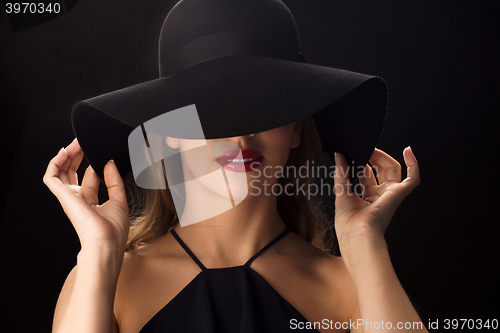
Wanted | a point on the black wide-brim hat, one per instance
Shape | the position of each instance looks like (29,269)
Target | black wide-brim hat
(239,62)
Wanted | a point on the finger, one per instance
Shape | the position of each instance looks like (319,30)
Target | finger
(51,176)
(114,183)
(63,176)
(73,146)
(369,183)
(401,191)
(67,171)
(63,168)
(73,167)
(367,178)
(90,186)
(413,171)
(388,169)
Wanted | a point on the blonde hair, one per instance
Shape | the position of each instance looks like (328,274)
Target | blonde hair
(153,212)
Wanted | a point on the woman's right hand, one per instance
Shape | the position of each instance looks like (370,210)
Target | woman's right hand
(95,224)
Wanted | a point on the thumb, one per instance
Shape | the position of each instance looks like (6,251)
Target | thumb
(114,183)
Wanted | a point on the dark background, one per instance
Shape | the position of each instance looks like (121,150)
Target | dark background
(440,60)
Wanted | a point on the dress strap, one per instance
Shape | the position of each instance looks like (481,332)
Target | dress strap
(188,251)
(198,262)
(271,243)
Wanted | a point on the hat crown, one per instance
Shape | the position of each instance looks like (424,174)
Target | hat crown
(196,31)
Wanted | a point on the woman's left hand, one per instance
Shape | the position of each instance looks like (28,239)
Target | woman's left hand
(370,215)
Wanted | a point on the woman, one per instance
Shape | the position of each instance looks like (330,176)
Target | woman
(192,268)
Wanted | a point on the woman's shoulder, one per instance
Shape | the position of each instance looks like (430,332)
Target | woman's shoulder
(327,290)
(298,250)
(163,249)
(150,277)
(154,261)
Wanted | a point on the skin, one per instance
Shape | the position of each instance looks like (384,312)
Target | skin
(203,194)
(108,291)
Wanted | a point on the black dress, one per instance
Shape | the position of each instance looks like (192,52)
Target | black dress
(226,300)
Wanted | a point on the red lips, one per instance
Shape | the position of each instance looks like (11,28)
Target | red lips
(233,161)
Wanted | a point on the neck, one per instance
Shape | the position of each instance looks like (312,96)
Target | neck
(231,238)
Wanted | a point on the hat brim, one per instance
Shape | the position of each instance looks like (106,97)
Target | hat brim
(236,96)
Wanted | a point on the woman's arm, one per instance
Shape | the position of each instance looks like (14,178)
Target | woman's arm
(85,303)
(86,300)
(383,303)
(360,225)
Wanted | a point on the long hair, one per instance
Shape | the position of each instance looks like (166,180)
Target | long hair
(152,212)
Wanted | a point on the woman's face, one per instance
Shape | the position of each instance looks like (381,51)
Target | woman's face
(246,164)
